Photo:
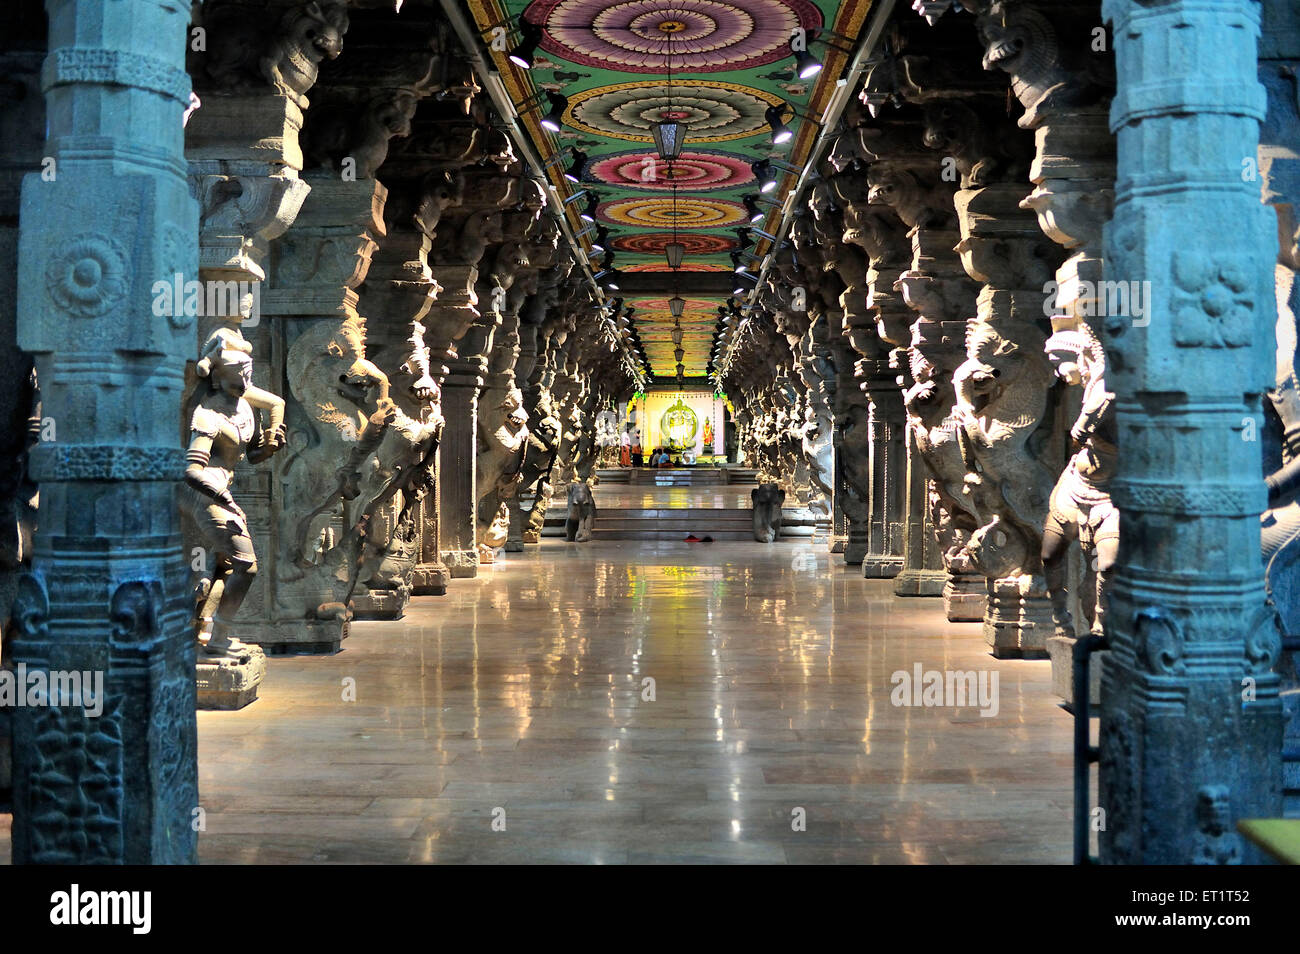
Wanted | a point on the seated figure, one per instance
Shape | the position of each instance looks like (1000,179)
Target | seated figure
(582,513)
(768,500)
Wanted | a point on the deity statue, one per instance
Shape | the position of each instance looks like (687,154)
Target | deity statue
(224,428)
(1080,506)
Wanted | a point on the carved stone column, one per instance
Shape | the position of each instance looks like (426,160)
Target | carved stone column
(108,594)
(477,227)
(1191,720)
(335,397)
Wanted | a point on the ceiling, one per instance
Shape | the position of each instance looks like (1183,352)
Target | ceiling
(730,61)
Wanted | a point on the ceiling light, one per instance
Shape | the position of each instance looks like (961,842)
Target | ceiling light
(774,115)
(668,137)
(674,252)
(522,55)
(555,118)
(806,65)
(676,305)
(588,213)
(574,172)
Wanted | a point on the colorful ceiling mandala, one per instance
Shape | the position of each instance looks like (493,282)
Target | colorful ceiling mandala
(731,62)
(694,171)
(711,111)
(654,243)
(682,213)
(690,36)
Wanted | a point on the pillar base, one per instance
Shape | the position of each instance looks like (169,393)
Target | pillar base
(381,604)
(839,544)
(965,598)
(877,567)
(1018,621)
(462,564)
(430,579)
(320,637)
(919,582)
(230,682)
(1060,650)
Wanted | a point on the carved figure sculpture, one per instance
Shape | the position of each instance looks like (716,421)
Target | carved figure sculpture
(1216,842)
(1000,399)
(308,35)
(1080,506)
(767,500)
(223,429)
(582,513)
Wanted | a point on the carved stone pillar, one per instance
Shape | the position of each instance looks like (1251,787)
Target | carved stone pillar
(1193,643)
(335,399)
(108,593)
(462,244)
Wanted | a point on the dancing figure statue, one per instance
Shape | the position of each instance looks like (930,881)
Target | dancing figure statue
(224,428)
(1080,506)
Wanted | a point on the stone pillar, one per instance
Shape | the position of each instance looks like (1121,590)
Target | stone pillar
(335,398)
(1007,433)
(107,593)
(457,493)
(1191,721)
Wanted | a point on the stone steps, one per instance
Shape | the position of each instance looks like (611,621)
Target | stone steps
(668,524)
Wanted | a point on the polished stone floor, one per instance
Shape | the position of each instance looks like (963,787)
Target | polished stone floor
(520,696)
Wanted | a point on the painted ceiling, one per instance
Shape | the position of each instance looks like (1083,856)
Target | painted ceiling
(717,66)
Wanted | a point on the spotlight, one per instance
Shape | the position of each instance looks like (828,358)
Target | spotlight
(744,237)
(588,213)
(522,55)
(757,214)
(574,172)
(774,116)
(806,65)
(555,118)
(763,173)
(602,236)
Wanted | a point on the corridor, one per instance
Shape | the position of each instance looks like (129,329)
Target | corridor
(523,691)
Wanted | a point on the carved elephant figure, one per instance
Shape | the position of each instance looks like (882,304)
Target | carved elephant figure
(582,513)
(767,500)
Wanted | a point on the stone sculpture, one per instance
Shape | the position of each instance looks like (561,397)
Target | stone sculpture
(223,428)
(582,513)
(767,501)
(1080,506)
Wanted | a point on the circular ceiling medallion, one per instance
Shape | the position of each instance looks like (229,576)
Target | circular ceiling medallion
(682,213)
(686,267)
(661,304)
(656,242)
(711,111)
(692,36)
(693,171)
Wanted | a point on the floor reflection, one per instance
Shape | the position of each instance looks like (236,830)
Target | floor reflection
(618,702)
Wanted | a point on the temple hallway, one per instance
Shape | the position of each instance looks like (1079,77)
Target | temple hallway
(522,690)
